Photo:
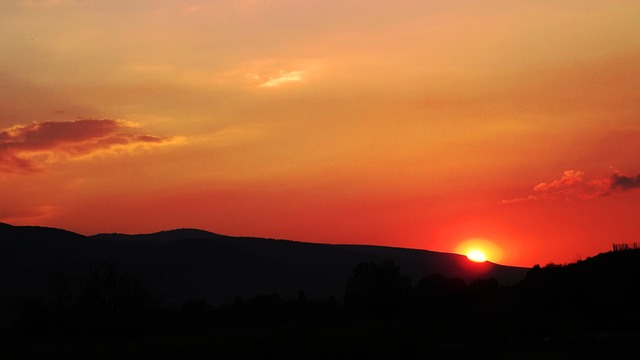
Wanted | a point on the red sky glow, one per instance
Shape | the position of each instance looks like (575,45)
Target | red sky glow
(420,124)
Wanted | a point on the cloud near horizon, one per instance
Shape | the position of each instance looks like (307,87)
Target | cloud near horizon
(24,148)
(573,185)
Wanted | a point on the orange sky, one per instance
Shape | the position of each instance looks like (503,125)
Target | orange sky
(422,124)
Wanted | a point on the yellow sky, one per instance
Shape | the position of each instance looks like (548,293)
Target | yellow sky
(408,123)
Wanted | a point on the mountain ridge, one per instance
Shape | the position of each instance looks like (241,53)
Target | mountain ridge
(187,263)
(584,308)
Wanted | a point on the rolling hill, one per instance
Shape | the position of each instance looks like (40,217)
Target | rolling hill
(183,264)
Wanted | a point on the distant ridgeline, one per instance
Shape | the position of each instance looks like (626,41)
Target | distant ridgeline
(184,264)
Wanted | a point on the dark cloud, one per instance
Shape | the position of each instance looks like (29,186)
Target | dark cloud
(623,183)
(23,147)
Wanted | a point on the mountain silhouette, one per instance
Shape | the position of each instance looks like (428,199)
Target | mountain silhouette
(193,294)
(184,264)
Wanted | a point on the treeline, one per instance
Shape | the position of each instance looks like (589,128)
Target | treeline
(591,298)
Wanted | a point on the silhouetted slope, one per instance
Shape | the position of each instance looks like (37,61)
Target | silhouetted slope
(417,264)
(585,309)
(29,254)
(598,294)
(185,264)
(208,262)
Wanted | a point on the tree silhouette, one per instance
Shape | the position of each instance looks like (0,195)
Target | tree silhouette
(113,301)
(377,288)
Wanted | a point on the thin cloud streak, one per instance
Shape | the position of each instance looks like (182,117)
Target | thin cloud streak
(284,78)
(23,148)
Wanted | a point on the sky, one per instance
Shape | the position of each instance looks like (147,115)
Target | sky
(511,126)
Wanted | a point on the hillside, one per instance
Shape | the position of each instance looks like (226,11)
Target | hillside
(183,264)
(388,302)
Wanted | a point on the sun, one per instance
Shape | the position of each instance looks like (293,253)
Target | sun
(479,250)
(476,256)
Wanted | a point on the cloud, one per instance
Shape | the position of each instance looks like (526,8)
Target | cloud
(623,183)
(23,148)
(569,178)
(573,185)
(284,78)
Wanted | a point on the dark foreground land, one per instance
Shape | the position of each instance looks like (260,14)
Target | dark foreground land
(586,309)
(313,341)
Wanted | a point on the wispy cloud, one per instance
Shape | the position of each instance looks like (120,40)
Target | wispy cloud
(284,77)
(24,148)
(574,185)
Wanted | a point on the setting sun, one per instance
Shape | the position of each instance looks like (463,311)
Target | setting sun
(479,250)
(476,256)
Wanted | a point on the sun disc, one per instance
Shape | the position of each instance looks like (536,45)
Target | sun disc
(479,250)
(476,256)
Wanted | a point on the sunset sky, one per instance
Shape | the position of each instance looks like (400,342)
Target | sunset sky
(514,125)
